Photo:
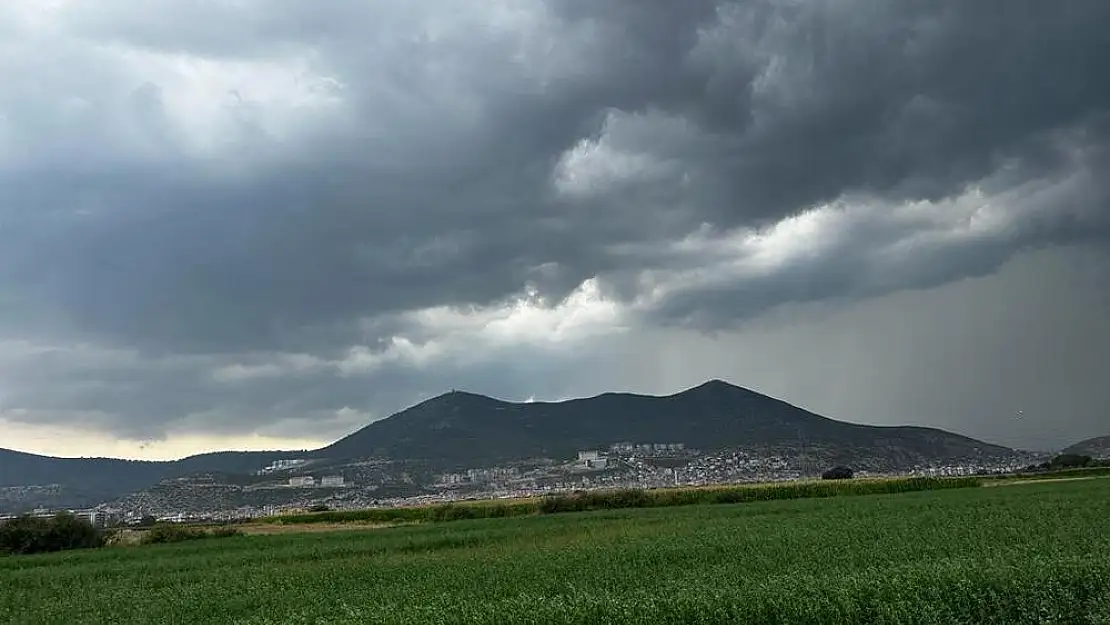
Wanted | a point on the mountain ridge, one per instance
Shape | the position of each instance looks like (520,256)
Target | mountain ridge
(459,429)
(1096,447)
(713,403)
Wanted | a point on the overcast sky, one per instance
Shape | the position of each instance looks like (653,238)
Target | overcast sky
(266,223)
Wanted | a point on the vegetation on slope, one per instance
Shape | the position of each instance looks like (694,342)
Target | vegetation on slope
(1098,447)
(624,498)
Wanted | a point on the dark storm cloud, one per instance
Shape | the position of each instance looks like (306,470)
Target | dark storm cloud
(787,105)
(164,191)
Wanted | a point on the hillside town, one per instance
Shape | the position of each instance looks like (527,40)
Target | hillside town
(296,484)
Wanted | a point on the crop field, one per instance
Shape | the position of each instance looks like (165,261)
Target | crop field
(1039,553)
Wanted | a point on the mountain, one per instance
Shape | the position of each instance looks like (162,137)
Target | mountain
(469,430)
(460,430)
(1098,447)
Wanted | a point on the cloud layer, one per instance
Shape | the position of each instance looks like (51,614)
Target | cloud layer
(243,218)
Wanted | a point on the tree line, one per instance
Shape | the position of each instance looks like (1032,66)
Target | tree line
(28,534)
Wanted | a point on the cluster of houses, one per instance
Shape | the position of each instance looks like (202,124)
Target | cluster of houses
(646,449)
(308,481)
(283,464)
(593,459)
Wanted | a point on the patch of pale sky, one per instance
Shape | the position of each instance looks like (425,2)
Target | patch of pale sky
(209,98)
(71,442)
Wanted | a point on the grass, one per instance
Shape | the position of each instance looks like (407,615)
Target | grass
(627,498)
(1056,474)
(1036,554)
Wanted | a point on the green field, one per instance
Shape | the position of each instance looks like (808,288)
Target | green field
(1035,553)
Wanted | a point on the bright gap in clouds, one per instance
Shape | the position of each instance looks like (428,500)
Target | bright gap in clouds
(452,334)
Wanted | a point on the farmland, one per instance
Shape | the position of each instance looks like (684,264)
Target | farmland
(1035,554)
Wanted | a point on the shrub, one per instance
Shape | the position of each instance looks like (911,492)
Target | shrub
(629,498)
(224,531)
(838,473)
(451,512)
(171,533)
(66,531)
(27,534)
(557,503)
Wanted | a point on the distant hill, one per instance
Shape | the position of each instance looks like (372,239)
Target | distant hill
(1098,447)
(466,429)
(461,429)
(87,481)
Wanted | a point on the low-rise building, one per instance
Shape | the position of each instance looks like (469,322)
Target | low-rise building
(282,465)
